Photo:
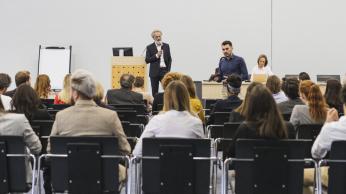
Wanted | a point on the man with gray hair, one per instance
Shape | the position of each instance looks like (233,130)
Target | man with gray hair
(159,56)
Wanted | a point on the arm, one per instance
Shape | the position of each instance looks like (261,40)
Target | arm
(169,58)
(148,132)
(295,117)
(53,132)
(150,57)
(243,70)
(322,144)
(124,145)
(30,138)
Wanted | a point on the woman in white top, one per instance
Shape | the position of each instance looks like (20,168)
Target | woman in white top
(176,119)
(261,67)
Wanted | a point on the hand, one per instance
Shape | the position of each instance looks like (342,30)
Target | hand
(158,54)
(332,115)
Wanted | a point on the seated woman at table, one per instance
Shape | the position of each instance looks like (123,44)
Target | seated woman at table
(261,67)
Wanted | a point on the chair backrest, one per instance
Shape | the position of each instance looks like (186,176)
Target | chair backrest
(308,131)
(230,128)
(220,117)
(12,169)
(42,129)
(215,131)
(176,171)
(209,103)
(59,106)
(223,145)
(270,172)
(132,130)
(291,130)
(337,171)
(128,115)
(286,116)
(139,108)
(78,148)
(47,102)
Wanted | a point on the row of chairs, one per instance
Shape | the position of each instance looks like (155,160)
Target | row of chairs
(170,166)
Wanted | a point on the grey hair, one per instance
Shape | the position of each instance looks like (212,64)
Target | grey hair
(154,31)
(83,82)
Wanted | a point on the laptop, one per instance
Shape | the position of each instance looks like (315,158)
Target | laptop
(261,78)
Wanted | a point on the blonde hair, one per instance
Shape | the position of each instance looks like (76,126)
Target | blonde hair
(99,93)
(169,77)
(42,86)
(154,31)
(176,97)
(191,88)
(65,94)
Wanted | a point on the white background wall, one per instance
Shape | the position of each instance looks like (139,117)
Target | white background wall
(296,35)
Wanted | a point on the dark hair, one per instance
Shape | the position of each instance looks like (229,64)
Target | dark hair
(226,42)
(263,56)
(266,116)
(303,76)
(2,108)
(25,101)
(233,81)
(139,82)
(332,94)
(126,81)
(273,84)
(343,94)
(22,77)
(5,81)
(291,88)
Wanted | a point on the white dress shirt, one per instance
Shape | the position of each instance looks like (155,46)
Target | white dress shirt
(333,131)
(162,59)
(264,70)
(179,124)
(6,102)
(280,97)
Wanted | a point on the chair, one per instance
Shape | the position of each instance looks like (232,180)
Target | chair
(128,115)
(47,102)
(98,171)
(291,131)
(209,103)
(132,130)
(176,165)
(13,164)
(308,131)
(141,109)
(59,106)
(286,116)
(230,128)
(214,131)
(42,129)
(132,141)
(325,78)
(268,166)
(220,117)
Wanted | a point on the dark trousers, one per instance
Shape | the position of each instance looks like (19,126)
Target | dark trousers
(155,84)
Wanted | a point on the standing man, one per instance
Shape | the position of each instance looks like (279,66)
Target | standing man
(159,56)
(231,63)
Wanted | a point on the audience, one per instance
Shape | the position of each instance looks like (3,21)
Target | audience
(64,97)
(262,120)
(237,115)
(261,67)
(303,76)
(158,98)
(274,85)
(195,103)
(124,95)
(332,95)
(5,82)
(17,124)
(138,86)
(314,109)
(98,98)
(26,101)
(291,88)
(42,87)
(176,120)
(22,77)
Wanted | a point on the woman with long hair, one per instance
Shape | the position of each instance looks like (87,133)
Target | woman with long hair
(176,119)
(333,95)
(42,86)
(64,97)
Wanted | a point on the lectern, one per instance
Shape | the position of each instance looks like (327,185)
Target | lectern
(135,66)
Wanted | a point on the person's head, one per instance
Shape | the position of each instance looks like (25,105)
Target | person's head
(25,100)
(156,35)
(83,85)
(139,82)
(233,84)
(5,82)
(42,86)
(291,88)
(227,48)
(266,116)
(23,77)
(332,94)
(189,84)
(317,104)
(240,109)
(99,93)
(262,61)
(304,89)
(343,96)
(169,77)
(126,81)
(176,97)
(303,76)
(273,84)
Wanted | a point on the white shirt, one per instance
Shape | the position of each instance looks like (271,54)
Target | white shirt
(280,97)
(265,70)
(179,124)
(330,132)
(162,59)
(6,101)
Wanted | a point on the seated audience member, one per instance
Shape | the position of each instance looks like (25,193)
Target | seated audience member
(64,96)
(303,76)
(195,103)
(22,77)
(138,86)
(168,78)
(274,86)
(176,119)
(17,124)
(291,88)
(216,76)
(99,96)
(43,88)
(233,85)
(237,115)
(5,82)
(261,67)
(332,95)
(124,95)
(314,110)
(262,120)
(26,101)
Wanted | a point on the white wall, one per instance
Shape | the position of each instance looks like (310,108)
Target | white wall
(306,35)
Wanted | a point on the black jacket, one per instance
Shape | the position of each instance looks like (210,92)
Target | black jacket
(123,96)
(154,70)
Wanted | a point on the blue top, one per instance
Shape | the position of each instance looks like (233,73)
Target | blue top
(233,65)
